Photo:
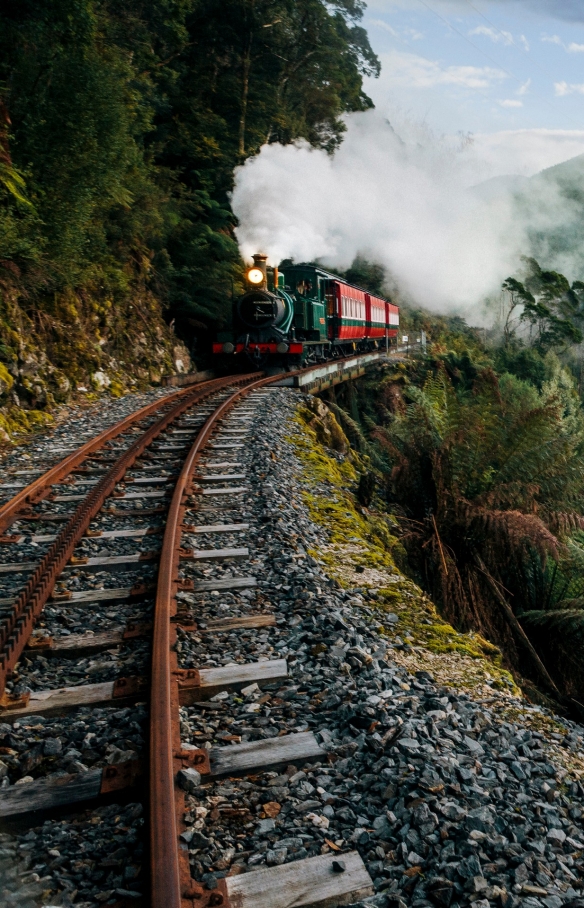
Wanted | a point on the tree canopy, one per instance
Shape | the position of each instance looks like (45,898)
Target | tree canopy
(545,302)
(121,123)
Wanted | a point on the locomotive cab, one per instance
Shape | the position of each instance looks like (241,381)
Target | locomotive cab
(308,291)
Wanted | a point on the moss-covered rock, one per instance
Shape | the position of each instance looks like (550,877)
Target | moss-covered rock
(324,424)
(75,344)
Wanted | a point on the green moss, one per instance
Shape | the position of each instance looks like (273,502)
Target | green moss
(363,540)
(339,511)
(324,425)
(116,389)
(16,422)
(6,379)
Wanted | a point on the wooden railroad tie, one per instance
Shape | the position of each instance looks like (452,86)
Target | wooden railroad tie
(326,880)
(222,477)
(227,583)
(194,685)
(230,554)
(218,528)
(231,760)
(232,490)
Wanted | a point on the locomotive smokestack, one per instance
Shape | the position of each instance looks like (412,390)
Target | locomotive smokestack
(260,261)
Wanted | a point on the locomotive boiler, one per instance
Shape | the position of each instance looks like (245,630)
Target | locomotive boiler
(302,313)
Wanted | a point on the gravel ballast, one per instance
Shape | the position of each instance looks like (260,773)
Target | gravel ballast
(452,794)
(449,798)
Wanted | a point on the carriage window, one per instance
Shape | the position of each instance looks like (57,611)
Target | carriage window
(304,287)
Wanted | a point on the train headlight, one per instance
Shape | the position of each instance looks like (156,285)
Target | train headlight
(282,347)
(255,276)
(228,348)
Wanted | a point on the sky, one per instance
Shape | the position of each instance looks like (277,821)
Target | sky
(486,67)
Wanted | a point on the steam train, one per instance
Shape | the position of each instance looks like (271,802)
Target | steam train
(303,314)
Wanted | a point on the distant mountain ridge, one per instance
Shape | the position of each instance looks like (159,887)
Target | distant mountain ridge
(550,208)
(553,203)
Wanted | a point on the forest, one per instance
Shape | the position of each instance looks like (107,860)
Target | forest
(478,450)
(121,124)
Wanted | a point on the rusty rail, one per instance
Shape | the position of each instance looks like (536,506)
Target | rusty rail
(40,487)
(17,627)
(171,883)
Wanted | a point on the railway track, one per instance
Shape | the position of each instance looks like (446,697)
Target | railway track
(202,717)
(113,643)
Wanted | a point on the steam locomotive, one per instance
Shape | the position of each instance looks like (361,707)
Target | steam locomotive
(303,314)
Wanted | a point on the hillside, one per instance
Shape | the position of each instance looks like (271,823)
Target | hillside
(554,207)
(120,128)
(550,207)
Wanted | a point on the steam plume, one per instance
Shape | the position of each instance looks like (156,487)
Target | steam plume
(404,200)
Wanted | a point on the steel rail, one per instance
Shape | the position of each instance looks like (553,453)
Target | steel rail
(36,490)
(172,885)
(17,627)
(171,880)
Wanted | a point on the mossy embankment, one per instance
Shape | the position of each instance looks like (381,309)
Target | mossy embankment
(77,347)
(364,555)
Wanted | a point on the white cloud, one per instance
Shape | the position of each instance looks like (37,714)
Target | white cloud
(385,26)
(524,89)
(552,39)
(524,41)
(493,34)
(526,151)
(418,72)
(410,33)
(510,102)
(401,197)
(563,89)
(571,48)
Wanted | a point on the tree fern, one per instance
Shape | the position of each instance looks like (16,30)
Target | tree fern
(567,621)
(491,473)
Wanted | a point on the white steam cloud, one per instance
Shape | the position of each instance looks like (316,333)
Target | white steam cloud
(400,198)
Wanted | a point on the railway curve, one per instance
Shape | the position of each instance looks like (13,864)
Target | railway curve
(200,715)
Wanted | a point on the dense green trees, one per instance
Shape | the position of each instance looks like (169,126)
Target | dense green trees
(121,123)
(545,302)
(366,274)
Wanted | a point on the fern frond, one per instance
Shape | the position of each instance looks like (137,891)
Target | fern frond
(564,621)
(568,604)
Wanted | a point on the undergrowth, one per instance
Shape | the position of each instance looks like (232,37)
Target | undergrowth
(363,553)
(361,556)
(79,348)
